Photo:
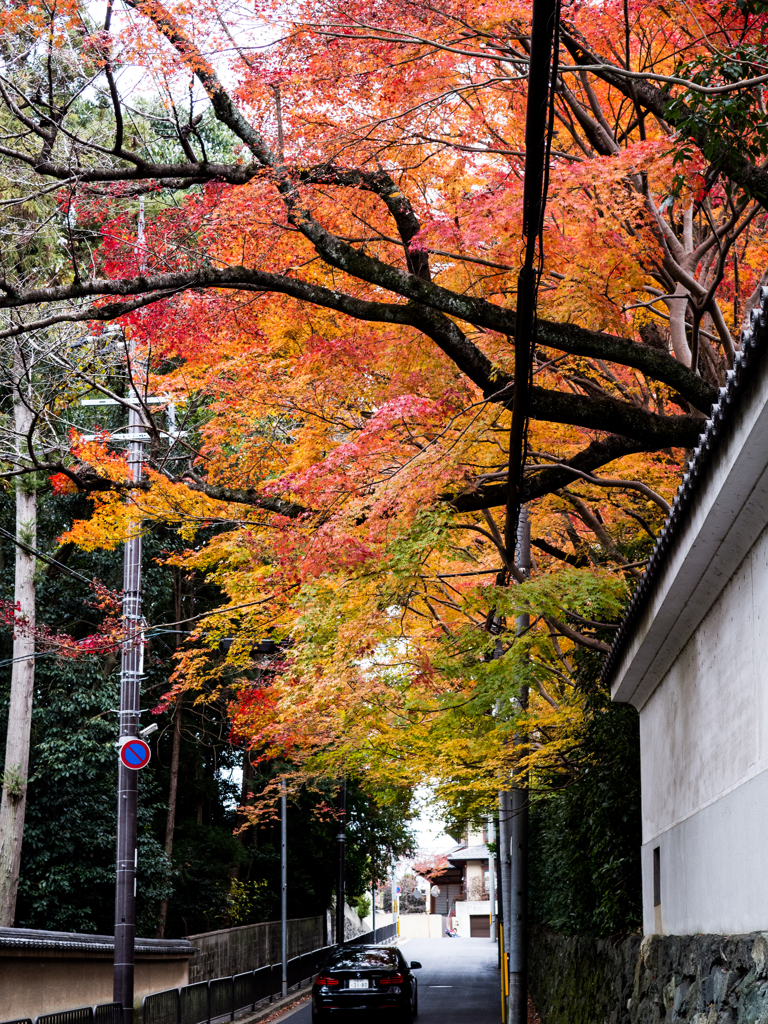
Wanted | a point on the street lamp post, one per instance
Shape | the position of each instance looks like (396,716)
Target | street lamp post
(341,837)
(284,885)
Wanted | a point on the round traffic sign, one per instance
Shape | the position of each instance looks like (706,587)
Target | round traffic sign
(135,753)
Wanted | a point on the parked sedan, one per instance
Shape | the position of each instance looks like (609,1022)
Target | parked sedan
(366,979)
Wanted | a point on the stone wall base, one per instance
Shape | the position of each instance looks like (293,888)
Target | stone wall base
(697,979)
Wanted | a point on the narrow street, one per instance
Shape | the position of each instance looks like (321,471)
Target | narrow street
(458,983)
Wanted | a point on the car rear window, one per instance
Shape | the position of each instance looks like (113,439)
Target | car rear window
(355,959)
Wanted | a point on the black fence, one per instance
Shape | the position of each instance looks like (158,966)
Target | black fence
(105,1013)
(222,998)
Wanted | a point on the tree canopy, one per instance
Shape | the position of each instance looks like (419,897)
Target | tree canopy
(323,296)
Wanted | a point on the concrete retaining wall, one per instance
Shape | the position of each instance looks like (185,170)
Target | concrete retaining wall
(234,950)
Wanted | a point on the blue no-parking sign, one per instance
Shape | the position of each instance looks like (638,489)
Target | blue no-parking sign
(135,753)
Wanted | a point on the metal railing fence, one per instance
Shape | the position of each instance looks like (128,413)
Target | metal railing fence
(220,999)
(193,1003)
(108,1013)
(104,1013)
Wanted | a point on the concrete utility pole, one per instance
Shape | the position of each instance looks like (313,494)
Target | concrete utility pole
(14,782)
(131,669)
(505,865)
(284,885)
(341,837)
(492,881)
(394,894)
(518,833)
(545,19)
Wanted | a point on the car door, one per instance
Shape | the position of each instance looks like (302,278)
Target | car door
(406,972)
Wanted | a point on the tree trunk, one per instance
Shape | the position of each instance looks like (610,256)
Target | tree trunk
(170,822)
(14,793)
(677,325)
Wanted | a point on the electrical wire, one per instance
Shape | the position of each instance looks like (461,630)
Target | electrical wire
(542,207)
(46,558)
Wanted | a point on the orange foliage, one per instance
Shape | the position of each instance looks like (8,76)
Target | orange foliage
(346,470)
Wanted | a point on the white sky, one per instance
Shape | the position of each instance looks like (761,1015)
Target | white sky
(429,829)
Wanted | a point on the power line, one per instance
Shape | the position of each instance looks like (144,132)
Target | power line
(45,558)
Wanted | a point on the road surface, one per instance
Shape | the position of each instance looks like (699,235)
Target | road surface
(458,983)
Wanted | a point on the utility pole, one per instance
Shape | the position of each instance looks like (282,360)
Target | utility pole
(284,885)
(505,813)
(373,907)
(341,837)
(518,830)
(394,894)
(492,881)
(131,668)
(541,77)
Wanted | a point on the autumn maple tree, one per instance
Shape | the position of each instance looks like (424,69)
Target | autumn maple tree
(326,289)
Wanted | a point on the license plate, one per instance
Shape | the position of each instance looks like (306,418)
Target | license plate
(358,983)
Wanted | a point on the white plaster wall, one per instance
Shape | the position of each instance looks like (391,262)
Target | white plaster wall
(421,926)
(713,867)
(465,909)
(47,982)
(474,871)
(704,743)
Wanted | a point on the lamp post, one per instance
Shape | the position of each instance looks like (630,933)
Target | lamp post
(341,837)
(284,885)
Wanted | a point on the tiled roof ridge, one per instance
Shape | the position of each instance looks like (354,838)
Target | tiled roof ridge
(754,341)
(27,938)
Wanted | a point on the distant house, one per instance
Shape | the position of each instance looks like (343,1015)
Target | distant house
(464,899)
(692,657)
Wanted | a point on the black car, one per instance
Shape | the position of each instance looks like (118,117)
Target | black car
(366,979)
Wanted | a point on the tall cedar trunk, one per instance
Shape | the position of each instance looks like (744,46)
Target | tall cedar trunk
(170,823)
(14,793)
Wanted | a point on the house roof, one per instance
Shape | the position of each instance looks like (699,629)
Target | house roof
(468,853)
(720,510)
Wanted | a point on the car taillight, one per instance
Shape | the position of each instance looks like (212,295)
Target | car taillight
(393,979)
(327,981)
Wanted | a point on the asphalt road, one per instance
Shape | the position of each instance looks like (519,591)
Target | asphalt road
(458,983)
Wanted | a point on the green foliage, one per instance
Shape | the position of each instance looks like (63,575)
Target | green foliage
(374,832)
(13,782)
(215,879)
(363,907)
(728,126)
(585,835)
